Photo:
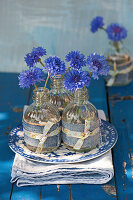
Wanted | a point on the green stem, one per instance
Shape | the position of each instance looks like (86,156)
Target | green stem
(90,74)
(41,62)
(103,28)
(115,67)
(36,87)
(65,72)
(79,93)
(46,82)
(117,46)
(45,85)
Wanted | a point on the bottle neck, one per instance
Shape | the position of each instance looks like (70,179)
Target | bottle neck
(81,96)
(40,96)
(56,83)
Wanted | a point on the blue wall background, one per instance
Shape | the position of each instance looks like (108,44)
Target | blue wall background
(57,25)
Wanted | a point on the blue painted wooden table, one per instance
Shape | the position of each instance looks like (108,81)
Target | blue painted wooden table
(117,102)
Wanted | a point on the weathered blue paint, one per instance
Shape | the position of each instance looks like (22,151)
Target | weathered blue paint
(12,99)
(17,97)
(121,112)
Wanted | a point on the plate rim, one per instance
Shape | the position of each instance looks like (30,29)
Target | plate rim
(69,162)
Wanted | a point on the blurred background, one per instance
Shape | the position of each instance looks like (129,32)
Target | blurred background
(57,25)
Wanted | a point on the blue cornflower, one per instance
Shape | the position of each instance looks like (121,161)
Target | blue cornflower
(39,51)
(55,66)
(75,79)
(116,32)
(96,23)
(30,77)
(76,59)
(32,58)
(98,65)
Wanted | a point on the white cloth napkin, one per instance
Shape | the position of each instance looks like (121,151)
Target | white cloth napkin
(96,171)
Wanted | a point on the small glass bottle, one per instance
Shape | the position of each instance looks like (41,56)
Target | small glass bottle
(58,95)
(120,62)
(41,122)
(80,123)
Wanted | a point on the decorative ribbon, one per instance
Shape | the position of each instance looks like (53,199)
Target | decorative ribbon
(81,135)
(41,137)
(114,73)
(44,136)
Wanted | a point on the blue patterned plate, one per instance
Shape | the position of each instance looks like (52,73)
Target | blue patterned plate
(108,138)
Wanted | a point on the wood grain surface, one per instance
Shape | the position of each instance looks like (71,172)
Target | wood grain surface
(118,111)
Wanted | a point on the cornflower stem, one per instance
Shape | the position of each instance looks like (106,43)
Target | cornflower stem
(65,72)
(45,85)
(117,46)
(79,93)
(103,28)
(41,62)
(46,82)
(115,67)
(36,87)
(79,103)
(90,74)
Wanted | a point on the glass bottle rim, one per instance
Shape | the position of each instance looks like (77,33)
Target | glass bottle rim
(41,90)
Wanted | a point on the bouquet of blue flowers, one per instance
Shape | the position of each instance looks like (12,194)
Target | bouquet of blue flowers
(119,59)
(52,65)
(81,69)
(115,32)
(74,77)
(41,120)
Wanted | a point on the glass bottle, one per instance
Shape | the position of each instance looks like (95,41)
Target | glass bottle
(41,122)
(80,123)
(58,95)
(120,61)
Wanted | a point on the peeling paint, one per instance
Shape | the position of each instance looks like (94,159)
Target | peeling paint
(18,110)
(123,176)
(131,160)
(124,168)
(58,187)
(70,192)
(7,130)
(115,97)
(15,109)
(40,192)
(110,190)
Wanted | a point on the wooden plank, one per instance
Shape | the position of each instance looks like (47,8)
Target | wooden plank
(81,191)
(53,193)
(98,97)
(32,192)
(78,191)
(18,98)
(121,115)
(12,100)
(107,191)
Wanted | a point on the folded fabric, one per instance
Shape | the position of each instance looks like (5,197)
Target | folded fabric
(96,171)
